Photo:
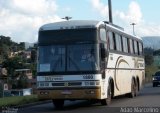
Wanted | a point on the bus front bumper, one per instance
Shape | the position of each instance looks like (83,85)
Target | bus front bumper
(77,94)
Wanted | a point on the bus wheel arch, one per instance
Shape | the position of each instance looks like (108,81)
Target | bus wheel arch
(110,93)
(132,94)
(111,82)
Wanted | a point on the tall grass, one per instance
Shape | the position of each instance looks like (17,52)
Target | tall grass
(17,100)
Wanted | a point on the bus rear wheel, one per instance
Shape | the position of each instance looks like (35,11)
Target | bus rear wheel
(58,103)
(107,101)
(136,88)
(132,94)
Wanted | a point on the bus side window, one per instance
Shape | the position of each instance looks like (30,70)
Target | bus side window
(114,41)
(131,46)
(111,42)
(125,46)
(140,48)
(135,47)
(122,43)
(128,43)
(103,36)
(118,42)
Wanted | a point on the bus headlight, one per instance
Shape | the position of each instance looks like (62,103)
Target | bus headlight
(44,93)
(43,84)
(90,92)
(91,83)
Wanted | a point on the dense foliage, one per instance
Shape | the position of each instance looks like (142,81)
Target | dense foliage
(7,46)
(16,61)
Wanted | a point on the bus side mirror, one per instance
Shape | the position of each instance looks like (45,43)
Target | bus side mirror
(103,51)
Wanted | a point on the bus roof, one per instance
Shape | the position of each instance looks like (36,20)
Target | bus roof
(76,24)
(118,29)
(72,24)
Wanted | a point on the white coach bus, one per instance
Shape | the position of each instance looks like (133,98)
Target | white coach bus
(88,60)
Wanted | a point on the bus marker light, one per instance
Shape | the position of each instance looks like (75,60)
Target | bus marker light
(92,92)
(66,92)
(46,93)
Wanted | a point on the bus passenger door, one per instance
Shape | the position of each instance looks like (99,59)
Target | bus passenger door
(103,50)
(103,65)
(103,55)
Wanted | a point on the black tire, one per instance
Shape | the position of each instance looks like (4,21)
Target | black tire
(107,101)
(154,85)
(136,88)
(93,101)
(58,103)
(133,90)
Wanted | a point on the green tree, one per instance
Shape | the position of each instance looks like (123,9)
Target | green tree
(1,89)
(22,82)
(14,63)
(156,52)
(4,51)
(7,46)
(21,46)
(33,67)
(149,59)
(1,59)
(33,55)
(5,40)
(148,51)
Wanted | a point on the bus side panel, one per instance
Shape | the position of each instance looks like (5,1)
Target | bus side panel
(122,68)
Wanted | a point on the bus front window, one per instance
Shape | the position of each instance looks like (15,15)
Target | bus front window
(80,57)
(51,58)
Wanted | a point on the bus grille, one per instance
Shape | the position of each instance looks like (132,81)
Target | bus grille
(62,84)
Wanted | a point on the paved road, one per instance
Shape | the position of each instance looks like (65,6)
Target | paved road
(148,97)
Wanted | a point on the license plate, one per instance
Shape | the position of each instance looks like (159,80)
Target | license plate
(66,92)
(51,78)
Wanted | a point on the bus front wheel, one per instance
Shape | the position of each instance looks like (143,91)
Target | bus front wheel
(58,103)
(107,101)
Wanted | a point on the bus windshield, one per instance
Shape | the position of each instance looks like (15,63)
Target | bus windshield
(62,58)
(68,36)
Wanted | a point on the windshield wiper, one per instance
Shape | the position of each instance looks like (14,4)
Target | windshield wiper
(76,66)
(57,62)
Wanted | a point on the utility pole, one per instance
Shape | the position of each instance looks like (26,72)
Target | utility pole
(133,24)
(110,11)
(67,18)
